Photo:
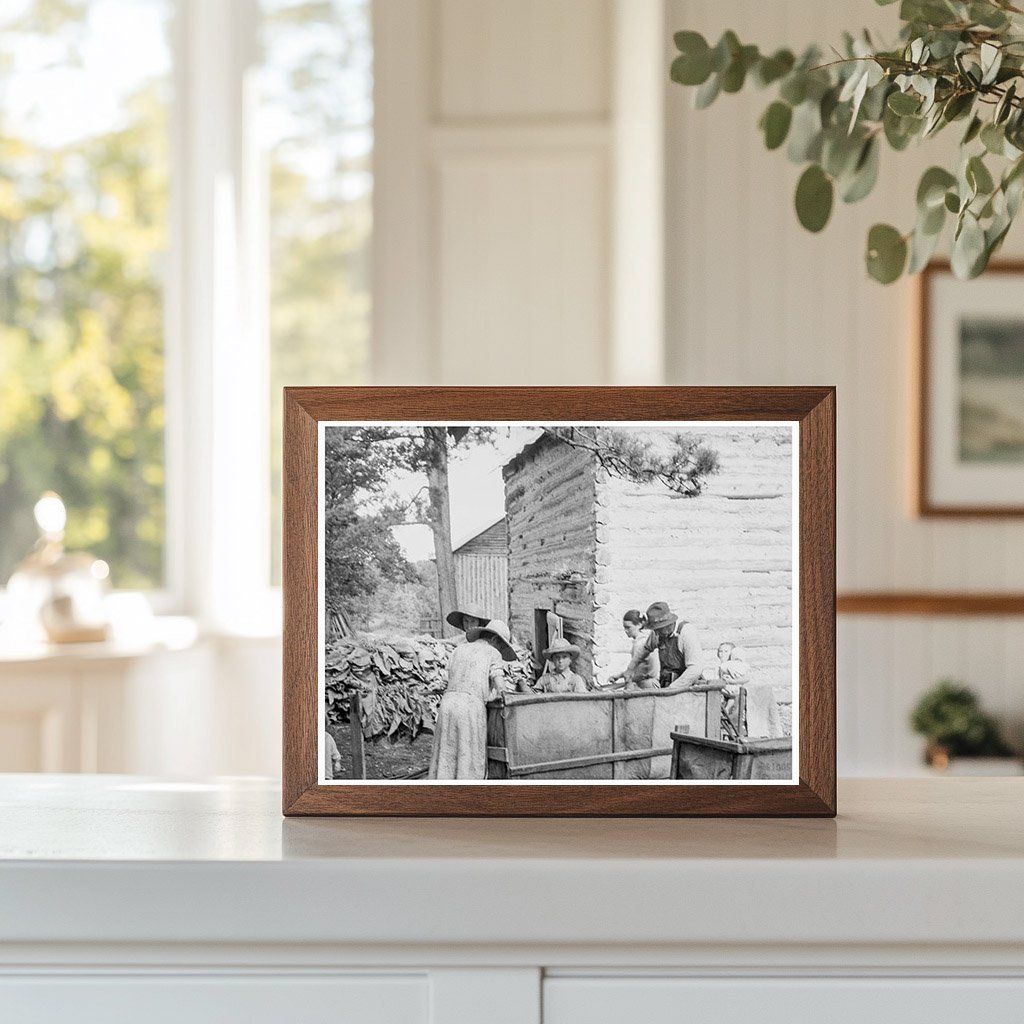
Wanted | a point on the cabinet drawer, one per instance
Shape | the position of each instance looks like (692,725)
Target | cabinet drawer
(663,1000)
(222,999)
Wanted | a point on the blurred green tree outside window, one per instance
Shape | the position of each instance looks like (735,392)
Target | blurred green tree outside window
(83,237)
(317,119)
(84,212)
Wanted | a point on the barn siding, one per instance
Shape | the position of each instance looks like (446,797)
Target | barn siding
(722,560)
(492,541)
(550,494)
(481,581)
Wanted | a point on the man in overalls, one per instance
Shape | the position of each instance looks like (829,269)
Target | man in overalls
(677,644)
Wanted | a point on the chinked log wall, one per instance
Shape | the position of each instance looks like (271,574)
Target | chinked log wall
(549,501)
(722,560)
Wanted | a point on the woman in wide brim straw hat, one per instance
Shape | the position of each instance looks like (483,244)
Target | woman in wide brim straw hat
(475,676)
(466,619)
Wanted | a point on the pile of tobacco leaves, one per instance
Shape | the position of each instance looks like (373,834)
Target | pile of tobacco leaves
(400,682)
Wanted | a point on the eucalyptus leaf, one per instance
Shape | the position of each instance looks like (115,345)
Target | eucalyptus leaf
(707,93)
(978,176)
(735,74)
(689,70)
(771,69)
(814,195)
(993,138)
(865,173)
(775,124)
(922,248)
(973,130)
(904,103)
(932,221)
(900,130)
(931,190)
(1005,105)
(794,88)
(886,253)
(805,133)
(840,152)
(968,247)
(987,15)
(991,60)
(725,49)
(873,106)
(957,106)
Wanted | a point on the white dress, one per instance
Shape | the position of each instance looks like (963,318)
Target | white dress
(460,732)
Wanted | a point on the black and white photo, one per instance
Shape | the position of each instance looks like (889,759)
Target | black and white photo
(516,603)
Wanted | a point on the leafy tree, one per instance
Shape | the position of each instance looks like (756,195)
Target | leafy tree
(360,549)
(683,468)
(956,61)
(317,98)
(82,229)
(426,450)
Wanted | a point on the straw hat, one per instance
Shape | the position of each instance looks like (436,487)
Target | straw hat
(455,618)
(659,616)
(497,629)
(560,646)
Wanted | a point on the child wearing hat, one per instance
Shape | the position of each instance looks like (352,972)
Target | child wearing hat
(559,677)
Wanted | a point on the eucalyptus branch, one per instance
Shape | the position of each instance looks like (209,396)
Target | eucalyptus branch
(955,61)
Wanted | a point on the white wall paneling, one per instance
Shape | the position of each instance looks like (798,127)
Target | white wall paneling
(751,298)
(518,192)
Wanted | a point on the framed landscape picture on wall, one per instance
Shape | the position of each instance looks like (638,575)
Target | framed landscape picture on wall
(573,601)
(970,450)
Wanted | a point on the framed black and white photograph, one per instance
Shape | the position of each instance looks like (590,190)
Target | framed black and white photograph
(553,601)
(971,393)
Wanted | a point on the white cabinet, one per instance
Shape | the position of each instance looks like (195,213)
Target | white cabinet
(823,1000)
(205,999)
(128,899)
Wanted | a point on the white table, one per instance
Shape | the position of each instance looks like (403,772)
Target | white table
(197,902)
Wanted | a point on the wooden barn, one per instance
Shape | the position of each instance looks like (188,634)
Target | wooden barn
(481,570)
(588,546)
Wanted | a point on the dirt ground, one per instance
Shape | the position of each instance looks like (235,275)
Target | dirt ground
(386,760)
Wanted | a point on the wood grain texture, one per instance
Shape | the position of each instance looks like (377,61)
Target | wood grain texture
(299,597)
(812,407)
(925,603)
(924,506)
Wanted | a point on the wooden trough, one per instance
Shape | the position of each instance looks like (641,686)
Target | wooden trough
(618,734)
(705,757)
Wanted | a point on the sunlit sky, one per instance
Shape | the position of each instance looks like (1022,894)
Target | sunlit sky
(476,489)
(54,103)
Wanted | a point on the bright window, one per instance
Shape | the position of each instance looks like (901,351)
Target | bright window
(167,264)
(83,238)
(317,119)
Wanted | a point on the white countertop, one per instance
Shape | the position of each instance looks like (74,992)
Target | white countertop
(122,859)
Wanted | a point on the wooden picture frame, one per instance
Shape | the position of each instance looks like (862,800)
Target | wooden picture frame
(937,482)
(812,409)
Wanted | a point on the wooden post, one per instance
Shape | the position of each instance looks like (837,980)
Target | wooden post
(713,715)
(355,722)
(673,772)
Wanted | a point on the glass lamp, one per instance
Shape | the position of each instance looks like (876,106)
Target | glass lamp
(55,595)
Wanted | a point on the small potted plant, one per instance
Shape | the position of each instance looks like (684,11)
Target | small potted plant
(950,717)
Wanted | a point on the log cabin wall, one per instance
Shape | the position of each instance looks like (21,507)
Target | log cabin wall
(550,493)
(722,560)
